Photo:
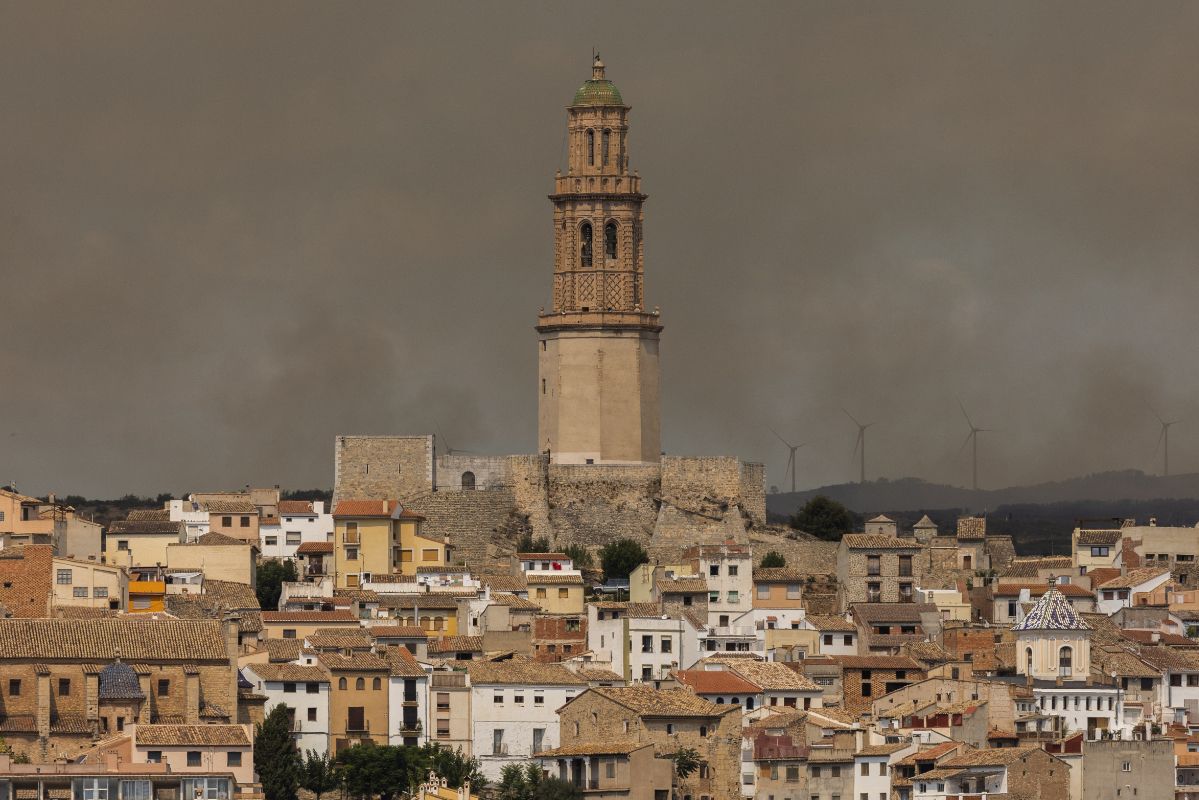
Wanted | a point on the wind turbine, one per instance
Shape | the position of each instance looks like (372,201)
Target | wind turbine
(860,444)
(791,448)
(1163,438)
(971,439)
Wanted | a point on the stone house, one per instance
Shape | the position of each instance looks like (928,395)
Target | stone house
(864,678)
(877,569)
(677,595)
(233,517)
(1028,773)
(611,770)
(779,685)
(216,554)
(50,691)
(885,627)
(830,772)
(1115,770)
(668,719)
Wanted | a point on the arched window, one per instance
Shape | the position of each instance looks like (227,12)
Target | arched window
(585,246)
(719,701)
(1065,661)
(591,148)
(606,141)
(341,684)
(749,703)
(1028,660)
(377,684)
(610,240)
(360,683)
(468,480)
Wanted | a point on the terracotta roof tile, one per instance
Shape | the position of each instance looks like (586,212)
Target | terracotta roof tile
(213,735)
(1134,578)
(149,515)
(521,673)
(1038,589)
(397,632)
(716,681)
(452,644)
(553,579)
(231,507)
(829,623)
(778,575)
(681,585)
(1028,567)
(101,639)
(278,617)
(772,676)
(296,508)
(542,557)
(402,663)
(1092,538)
(358,662)
(310,548)
(649,702)
(297,673)
(593,748)
(874,541)
(146,526)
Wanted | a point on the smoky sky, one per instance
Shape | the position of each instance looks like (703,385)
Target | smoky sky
(230,232)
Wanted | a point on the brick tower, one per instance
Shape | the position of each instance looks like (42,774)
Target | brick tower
(598,346)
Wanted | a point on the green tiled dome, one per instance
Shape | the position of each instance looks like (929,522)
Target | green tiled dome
(598,93)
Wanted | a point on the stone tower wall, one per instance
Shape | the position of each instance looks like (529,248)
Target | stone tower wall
(379,467)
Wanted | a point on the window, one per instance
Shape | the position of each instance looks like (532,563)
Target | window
(1011,609)
(873,565)
(122,544)
(610,241)
(164,687)
(828,639)
(193,758)
(607,143)
(233,758)
(905,594)
(563,593)
(1028,660)
(428,554)
(497,698)
(1126,766)
(666,644)
(342,683)
(351,554)
(793,591)
(497,742)
(312,715)
(591,148)
(360,684)
(205,788)
(94,788)
(351,534)
(135,790)
(734,596)
(14,687)
(763,591)
(140,604)
(443,729)
(227,522)
(100,591)
(669,728)
(585,244)
(377,684)
(714,570)
(905,566)
(865,771)
(538,739)
(271,541)
(64,686)
(647,644)
(874,592)
(1099,551)
(289,687)
(1065,660)
(64,577)
(847,639)
(541,593)
(79,591)
(289,633)
(688,600)
(713,597)
(245,522)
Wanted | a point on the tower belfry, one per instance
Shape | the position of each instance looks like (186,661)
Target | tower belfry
(598,398)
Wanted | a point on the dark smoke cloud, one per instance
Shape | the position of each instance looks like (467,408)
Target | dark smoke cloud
(230,232)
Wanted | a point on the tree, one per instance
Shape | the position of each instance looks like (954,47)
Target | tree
(369,769)
(530,783)
(824,518)
(527,544)
(271,575)
(686,761)
(580,555)
(773,559)
(452,765)
(276,759)
(621,557)
(319,773)
(556,789)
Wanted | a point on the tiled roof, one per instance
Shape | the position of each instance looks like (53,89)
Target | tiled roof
(972,527)
(778,575)
(358,662)
(1052,612)
(432,600)
(893,612)
(402,663)
(716,681)
(593,674)
(1147,637)
(1029,566)
(340,639)
(553,579)
(231,595)
(148,526)
(372,508)
(1098,538)
(452,644)
(650,702)
(874,541)
(299,673)
(278,617)
(103,639)
(1122,662)
(990,757)
(882,749)
(397,632)
(308,548)
(211,735)
(149,515)
(681,585)
(296,508)
(441,570)
(513,601)
(1172,659)
(593,748)
(282,649)
(1038,589)
(25,575)
(1134,578)
(875,662)
(829,755)
(1102,574)
(118,681)
(522,673)
(215,539)
(231,507)
(772,676)
(831,624)
(542,557)
(930,754)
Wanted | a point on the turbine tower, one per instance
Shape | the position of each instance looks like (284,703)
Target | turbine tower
(859,446)
(1163,440)
(971,439)
(791,448)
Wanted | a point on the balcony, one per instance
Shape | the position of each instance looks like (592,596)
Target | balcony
(358,726)
(499,749)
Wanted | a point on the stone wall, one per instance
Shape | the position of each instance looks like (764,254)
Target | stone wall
(489,472)
(383,467)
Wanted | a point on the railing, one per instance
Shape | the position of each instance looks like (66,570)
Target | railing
(359,726)
(733,630)
(499,749)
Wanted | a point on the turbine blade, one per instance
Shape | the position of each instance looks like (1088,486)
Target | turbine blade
(776,435)
(969,421)
(851,416)
(965,442)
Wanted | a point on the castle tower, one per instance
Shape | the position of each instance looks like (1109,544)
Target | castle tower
(598,346)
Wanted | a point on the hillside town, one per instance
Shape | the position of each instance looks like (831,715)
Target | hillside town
(596,619)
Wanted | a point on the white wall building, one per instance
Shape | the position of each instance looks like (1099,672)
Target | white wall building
(514,710)
(728,570)
(640,643)
(194,516)
(871,769)
(302,688)
(1119,592)
(299,521)
(407,698)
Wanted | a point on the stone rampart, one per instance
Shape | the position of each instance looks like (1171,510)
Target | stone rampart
(377,467)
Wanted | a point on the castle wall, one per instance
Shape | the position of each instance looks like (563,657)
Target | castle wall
(383,467)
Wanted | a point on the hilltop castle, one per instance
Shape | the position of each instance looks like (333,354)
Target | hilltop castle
(600,473)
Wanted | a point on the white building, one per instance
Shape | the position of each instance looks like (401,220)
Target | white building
(872,771)
(407,698)
(1119,592)
(544,562)
(300,521)
(639,641)
(514,710)
(837,636)
(728,571)
(779,684)
(193,514)
(303,688)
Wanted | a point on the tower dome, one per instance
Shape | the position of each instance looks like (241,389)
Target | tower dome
(118,681)
(599,91)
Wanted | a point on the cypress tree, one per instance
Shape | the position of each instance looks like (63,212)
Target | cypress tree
(276,759)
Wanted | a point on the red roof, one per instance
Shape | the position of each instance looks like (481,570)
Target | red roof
(299,508)
(308,616)
(397,632)
(315,547)
(372,508)
(1102,575)
(716,681)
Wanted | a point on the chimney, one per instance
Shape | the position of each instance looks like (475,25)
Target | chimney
(191,695)
(43,702)
(1153,522)
(143,715)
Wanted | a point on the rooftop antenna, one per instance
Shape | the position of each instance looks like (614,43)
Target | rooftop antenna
(791,448)
(972,440)
(1163,440)
(859,445)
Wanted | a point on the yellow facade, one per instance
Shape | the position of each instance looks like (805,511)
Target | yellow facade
(89,584)
(554,596)
(417,550)
(138,549)
(642,578)
(377,544)
(226,562)
(437,621)
(147,596)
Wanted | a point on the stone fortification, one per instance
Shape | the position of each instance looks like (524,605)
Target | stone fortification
(668,506)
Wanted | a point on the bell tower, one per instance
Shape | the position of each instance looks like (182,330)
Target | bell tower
(598,398)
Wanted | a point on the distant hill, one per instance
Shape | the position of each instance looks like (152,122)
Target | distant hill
(1039,518)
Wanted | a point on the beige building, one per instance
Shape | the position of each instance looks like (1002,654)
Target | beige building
(598,395)
(556,592)
(1097,548)
(877,569)
(235,517)
(303,624)
(217,555)
(141,543)
(90,584)
(608,770)
(449,710)
(358,698)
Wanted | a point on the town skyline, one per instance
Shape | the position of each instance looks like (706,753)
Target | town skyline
(255,212)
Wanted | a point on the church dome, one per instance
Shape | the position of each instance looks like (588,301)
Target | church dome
(599,91)
(118,681)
